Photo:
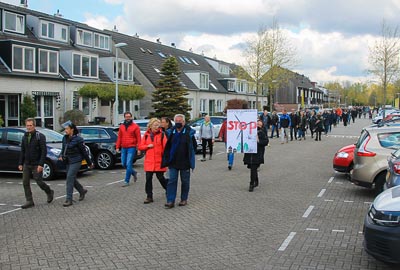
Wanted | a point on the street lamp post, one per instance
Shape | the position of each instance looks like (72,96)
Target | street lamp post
(118,45)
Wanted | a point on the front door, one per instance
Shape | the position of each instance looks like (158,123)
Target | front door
(211,107)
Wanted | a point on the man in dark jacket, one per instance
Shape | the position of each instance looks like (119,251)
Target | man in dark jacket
(31,162)
(179,156)
(294,124)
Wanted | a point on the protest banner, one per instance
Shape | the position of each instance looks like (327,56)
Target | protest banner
(241,131)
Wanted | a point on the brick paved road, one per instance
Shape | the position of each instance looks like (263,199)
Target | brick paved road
(300,199)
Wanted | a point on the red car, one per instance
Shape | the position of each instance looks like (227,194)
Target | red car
(343,159)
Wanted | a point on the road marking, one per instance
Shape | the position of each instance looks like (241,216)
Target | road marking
(331,179)
(2,204)
(311,229)
(60,184)
(328,200)
(220,153)
(34,183)
(339,183)
(9,182)
(17,205)
(321,193)
(89,186)
(341,231)
(348,201)
(308,211)
(367,202)
(287,241)
(113,172)
(112,183)
(360,232)
(7,212)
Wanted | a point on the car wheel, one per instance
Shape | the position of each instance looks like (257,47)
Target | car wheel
(104,160)
(379,182)
(48,171)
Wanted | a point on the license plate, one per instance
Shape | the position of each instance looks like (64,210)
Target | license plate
(84,162)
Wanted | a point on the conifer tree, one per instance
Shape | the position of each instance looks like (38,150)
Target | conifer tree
(169,97)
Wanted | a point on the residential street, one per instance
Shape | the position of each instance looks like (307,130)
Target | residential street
(302,216)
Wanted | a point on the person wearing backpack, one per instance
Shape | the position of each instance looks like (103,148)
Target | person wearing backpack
(31,162)
(207,136)
(153,142)
(72,153)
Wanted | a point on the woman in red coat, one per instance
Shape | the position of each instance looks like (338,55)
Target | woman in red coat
(153,142)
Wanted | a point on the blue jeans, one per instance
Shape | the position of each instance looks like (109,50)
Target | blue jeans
(173,184)
(127,155)
(231,157)
(72,181)
(301,133)
(273,131)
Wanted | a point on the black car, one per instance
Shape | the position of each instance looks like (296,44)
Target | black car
(10,149)
(101,141)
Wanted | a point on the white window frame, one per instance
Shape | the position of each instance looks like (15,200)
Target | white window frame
(18,28)
(80,39)
(204,81)
(48,61)
(203,103)
(58,31)
(81,65)
(121,69)
(23,58)
(106,41)
(219,105)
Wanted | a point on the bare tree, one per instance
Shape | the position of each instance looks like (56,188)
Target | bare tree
(384,57)
(255,54)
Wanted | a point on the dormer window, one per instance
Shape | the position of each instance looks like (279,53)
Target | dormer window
(55,31)
(101,41)
(85,65)
(84,38)
(204,81)
(14,22)
(23,59)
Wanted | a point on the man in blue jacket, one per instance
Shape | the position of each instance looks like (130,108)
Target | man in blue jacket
(284,125)
(179,156)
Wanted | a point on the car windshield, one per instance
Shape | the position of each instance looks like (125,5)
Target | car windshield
(51,135)
(396,153)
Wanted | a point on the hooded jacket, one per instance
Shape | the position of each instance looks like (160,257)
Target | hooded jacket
(153,157)
(128,135)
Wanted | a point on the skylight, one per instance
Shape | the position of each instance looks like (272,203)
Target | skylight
(143,50)
(162,55)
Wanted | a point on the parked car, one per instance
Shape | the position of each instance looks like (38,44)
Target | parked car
(371,151)
(101,141)
(392,117)
(382,227)
(379,117)
(343,159)
(217,123)
(10,148)
(393,172)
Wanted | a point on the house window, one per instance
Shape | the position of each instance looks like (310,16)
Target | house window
(125,70)
(101,41)
(14,22)
(50,30)
(23,59)
(48,61)
(204,81)
(231,86)
(85,66)
(64,34)
(84,38)
(203,105)
(219,105)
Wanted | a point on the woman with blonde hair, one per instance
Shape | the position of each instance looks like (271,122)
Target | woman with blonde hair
(153,142)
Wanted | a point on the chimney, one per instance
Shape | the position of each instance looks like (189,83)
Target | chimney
(115,29)
(58,14)
(173,45)
(24,3)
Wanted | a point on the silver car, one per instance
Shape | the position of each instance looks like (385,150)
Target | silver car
(374,146)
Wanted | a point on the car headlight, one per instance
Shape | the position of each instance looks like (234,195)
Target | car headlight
(384,218)
(55,151)
(342,155)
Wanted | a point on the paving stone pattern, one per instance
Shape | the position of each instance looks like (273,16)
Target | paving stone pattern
(223,227)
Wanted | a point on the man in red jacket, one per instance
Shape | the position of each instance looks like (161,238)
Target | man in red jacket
(127,142)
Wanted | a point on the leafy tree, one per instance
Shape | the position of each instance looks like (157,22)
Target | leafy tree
(236,104)
(106,92)
(28,108)
(169,97)
(75,116)
(384,57)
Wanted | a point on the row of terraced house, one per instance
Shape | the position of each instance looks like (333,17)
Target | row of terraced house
(50,58)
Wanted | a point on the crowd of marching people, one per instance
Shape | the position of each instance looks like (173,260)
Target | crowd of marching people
(170,149)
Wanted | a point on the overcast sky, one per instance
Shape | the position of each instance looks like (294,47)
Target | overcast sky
(332,37)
